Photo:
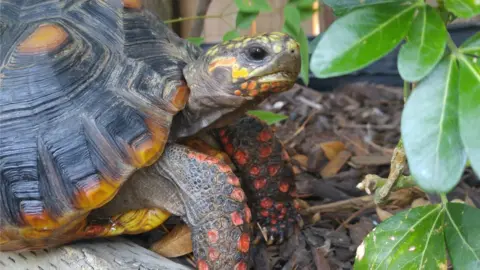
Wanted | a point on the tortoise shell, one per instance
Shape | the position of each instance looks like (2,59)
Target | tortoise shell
(88,90)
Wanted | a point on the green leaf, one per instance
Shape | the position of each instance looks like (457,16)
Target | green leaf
(430,133)
(426,44)
(231,35)
(292,20)
(471,45)
(463,8)
(269,117)
(303,41)
(196,40)
(341,7)
(252,6)
(360,38)
(245,19)
(469,109)
(411,239)
(313,44)
(462,235)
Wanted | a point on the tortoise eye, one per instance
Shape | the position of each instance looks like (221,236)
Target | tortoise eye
(257,53)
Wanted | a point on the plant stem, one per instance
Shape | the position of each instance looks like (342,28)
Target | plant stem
(198,17)
(406,91)
(451,45)
(443,196)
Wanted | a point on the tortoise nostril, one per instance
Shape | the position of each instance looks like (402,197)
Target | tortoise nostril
(292,51)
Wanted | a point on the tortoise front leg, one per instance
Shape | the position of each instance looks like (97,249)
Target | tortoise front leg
(266,173)
(215,206)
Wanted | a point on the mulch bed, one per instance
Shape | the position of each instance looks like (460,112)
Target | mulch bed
(334,140)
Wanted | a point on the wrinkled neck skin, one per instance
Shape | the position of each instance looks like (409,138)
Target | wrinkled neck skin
(211,103)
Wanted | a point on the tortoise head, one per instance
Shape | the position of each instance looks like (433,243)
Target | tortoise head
(235,75)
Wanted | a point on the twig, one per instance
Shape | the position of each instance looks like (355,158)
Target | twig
(351,217)
(197,27)
(301,128)
(358,202)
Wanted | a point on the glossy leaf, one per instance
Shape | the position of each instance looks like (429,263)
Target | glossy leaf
(313,44)
(269,117)
(425,46)
(471,45)
(462,235)
(245,19)
(196,40)
(231,35)
(430,132)
(360,38)
(252,6)
(469,109)
(463,8)
(340,7)
(411,239)
(303,41)
(292,20)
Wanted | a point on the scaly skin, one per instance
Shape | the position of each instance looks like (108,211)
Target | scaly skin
(266,173)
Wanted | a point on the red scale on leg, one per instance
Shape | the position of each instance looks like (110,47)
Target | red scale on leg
(212,236)
(254,171)
(213,254)
(265,151)
(248,214)
(229,148)
(273,169)
(264,136)
(244,243)
(241,266)
(236,218)
(283,187)
(241,157)
(266,203)
(202,265)
(260,183)
(238,195)
(233,180)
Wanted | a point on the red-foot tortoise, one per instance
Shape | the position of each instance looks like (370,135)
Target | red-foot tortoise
(95,93)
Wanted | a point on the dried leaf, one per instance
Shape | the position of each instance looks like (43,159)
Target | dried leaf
(302,160)
(420,202)
(334,166)
(332,149)
(383,214)
(177,242)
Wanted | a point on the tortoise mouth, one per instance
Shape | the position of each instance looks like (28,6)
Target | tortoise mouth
(280,76)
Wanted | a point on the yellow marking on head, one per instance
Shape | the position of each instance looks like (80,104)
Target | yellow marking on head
(221,62)
(132,4)
(246,40)
(277,48)
(45,38)
(292,45)
(264,39)
(244,85)
(239,72)
(230,46)
(238,92)
(238,45)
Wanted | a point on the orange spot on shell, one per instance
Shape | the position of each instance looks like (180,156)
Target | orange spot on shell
(237,92)
(259,183)
(265,151)
(254,171)
(283,186)
(241,266)
(238,195)
(40,221)
(241,157)
(264,136)
(202,265)
(45,38)
(132,4)
(273,169)
(222,62)
(94,192)
(213,254)
(180,97)
(248,214)
(266,203)
(212,236)
(236,218)
(146,149)
(244,242)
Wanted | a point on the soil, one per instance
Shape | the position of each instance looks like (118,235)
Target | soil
(335,139)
